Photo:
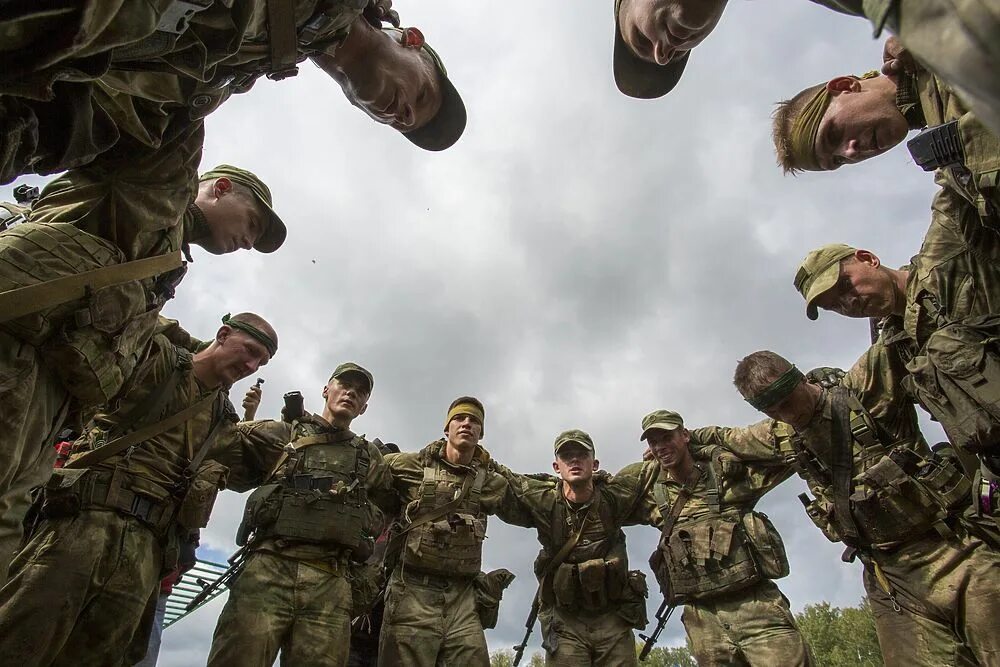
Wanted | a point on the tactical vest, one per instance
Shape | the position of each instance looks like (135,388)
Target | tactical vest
(321,495)
(713,555)
(91,338)
(451,545)
(12,215)
(897,496)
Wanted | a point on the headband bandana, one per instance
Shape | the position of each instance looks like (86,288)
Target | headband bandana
(470,409)
(253,332)
(805,127)
(778,390)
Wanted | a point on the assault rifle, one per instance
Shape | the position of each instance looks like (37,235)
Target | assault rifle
(662,616)
(236,564)
(529,626)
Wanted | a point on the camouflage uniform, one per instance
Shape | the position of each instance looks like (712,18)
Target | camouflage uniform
(930,565)
(968,55)
(78,353)
(733,613)
(295,593)
(110,532)
(585,623)
(432,615)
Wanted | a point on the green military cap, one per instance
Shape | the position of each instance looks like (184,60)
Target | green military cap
(448,124)
(665,420)
(351,367)
(574,435)
(640,78)
(820,271)
(274,234)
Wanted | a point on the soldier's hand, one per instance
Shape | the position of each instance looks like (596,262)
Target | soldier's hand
(826,376)
(381,10)
(896,58)
(647,455)
(251,401)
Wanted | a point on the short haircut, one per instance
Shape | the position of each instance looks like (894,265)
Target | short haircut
(256,321)
(781,131)
(757,371)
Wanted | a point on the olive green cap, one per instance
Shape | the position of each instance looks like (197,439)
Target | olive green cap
(351,367)
(448,124)
(640,78)
(820,271)
(665,420)
(574,435)
(274,234)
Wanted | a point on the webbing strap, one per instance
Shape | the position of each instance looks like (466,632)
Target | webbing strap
(282,38)
(95,456)
(220,417)
(842,466)
(682,498)
(42,296)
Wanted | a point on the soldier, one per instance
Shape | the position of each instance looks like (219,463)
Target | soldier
(152,93)
(734,614)
(303,529)
(142,478)
(653,40)
(930,566)
(938,316)
(588,600)
(437,600)
(80,298)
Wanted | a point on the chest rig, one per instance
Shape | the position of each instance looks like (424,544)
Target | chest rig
(319,493)
(448,543)
(875,493)
(711,554)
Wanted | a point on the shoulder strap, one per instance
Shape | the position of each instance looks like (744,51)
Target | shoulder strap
(218,419)
(682,497)
(95,456)
(362,461)
(283,39)
(713,495)
(842,466)
(566,548)
(477,488)
(42,296)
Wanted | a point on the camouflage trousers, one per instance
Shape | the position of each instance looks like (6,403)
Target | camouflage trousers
(945,591)
(431,621)
(33,405)
(749,627)
(81,593)
(289,606)
(577,640)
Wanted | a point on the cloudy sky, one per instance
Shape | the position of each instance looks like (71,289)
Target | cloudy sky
(578,259)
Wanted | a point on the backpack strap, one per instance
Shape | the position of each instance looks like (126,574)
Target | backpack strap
(282,39)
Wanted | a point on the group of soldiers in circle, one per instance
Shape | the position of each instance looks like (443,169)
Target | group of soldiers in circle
(115,92)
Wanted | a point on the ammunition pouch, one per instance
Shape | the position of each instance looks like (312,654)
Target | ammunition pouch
(767,544)
(957,379)
(632,600)
(600,585)
(61,493)
(259,512)
(450,546)
(904,495)
(707,557)
(489,588)
(93,344)
(72,490)
(314,515)
(820,512)
(199,499)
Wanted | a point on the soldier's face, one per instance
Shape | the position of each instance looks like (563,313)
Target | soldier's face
(798,407)
(239,355)
(347,396)
(669,448)
(575,463)
(396,85)
(862,290)
(235,220)
(661,30)
(860,123)
(464,431)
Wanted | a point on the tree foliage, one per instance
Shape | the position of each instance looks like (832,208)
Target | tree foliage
(841,637)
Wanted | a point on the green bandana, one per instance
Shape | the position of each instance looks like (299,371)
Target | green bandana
(253,332)
(805,127)
(778,390)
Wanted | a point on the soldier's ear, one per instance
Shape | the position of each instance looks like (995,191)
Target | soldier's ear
(326,390)
(867,257)
(555,467)
(224,332)
(364,408)
(597,465)
(843,84)
(222,186)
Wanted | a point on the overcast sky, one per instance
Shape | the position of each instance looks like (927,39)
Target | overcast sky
(576,260)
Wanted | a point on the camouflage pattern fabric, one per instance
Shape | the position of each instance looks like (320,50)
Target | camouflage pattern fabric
(937,581)
(967,56)
(287,605)
(573,640)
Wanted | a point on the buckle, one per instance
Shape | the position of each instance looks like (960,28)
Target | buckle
(177,17)
(285,73)
(142,507)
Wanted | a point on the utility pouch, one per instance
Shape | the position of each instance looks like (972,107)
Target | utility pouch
(658,564)
(943,477)
(820,512)
(632,600)
(564,585)
(593,576)
(366,584)
(451,546)
(890,506)
(709,557)
(766,542)
(61,494)
(202,489)
(489,588)
(260,512)
(316,516)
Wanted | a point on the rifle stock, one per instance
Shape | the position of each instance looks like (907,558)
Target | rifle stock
(236,563)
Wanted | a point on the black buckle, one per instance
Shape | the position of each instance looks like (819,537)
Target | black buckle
(285,73)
